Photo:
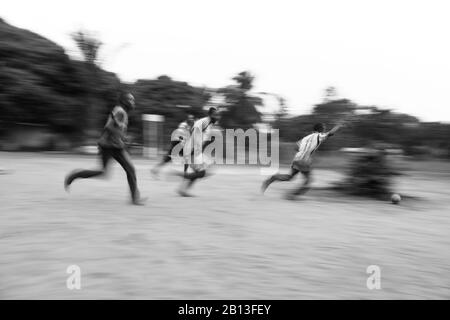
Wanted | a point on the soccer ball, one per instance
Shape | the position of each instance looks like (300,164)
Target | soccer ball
(395,198)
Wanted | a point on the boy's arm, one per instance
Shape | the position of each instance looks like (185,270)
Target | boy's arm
(297,144)
(110,126)
(119,119)
(335,128)
(115,124)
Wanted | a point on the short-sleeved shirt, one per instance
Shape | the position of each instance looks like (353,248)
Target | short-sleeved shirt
(202,124)
(119,119)
(308,145)
(199,134)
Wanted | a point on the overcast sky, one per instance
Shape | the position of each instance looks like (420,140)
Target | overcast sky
(392,54)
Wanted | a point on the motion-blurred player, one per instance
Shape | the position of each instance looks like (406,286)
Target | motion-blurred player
(303,160)
(112,145)
(197,142)
(178,139)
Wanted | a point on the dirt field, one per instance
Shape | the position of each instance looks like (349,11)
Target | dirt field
(229,242)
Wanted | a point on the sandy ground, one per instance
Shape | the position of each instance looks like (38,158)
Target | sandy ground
(228,242)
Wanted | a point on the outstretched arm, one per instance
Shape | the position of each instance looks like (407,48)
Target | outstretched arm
(335,128)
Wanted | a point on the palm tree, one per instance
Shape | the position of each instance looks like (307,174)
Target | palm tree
(240,106)
(89,47)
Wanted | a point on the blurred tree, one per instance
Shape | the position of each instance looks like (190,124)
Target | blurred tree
(89,47)
(170,98)
(332,108)
(282,111)
(330,111)
(374,125)
(245,80)
(330,94)
(41,86)
(240,109)
(38,82)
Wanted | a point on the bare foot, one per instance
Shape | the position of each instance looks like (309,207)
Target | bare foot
(264,186)
(183,193)
(140,201)
(290,196)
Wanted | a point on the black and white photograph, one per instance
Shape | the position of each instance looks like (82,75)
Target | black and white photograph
(225,150)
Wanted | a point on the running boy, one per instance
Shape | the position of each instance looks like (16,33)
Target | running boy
(303,159)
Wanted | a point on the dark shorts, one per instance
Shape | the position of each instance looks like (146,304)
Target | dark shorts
(302,166)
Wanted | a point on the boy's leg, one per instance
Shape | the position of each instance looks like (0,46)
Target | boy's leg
(123,158)
(186,165)
(105,155)
(192,177)
(188,181)
(304,187)
(167,158)
(279,177)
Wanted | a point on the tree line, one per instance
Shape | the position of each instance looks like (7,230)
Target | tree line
(41,85)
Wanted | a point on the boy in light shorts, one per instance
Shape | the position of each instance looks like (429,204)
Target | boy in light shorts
(197,142)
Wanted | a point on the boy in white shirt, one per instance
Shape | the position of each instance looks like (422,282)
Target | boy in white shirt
(303,159)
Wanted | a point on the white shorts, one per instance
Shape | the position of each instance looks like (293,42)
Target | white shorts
(201,162)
